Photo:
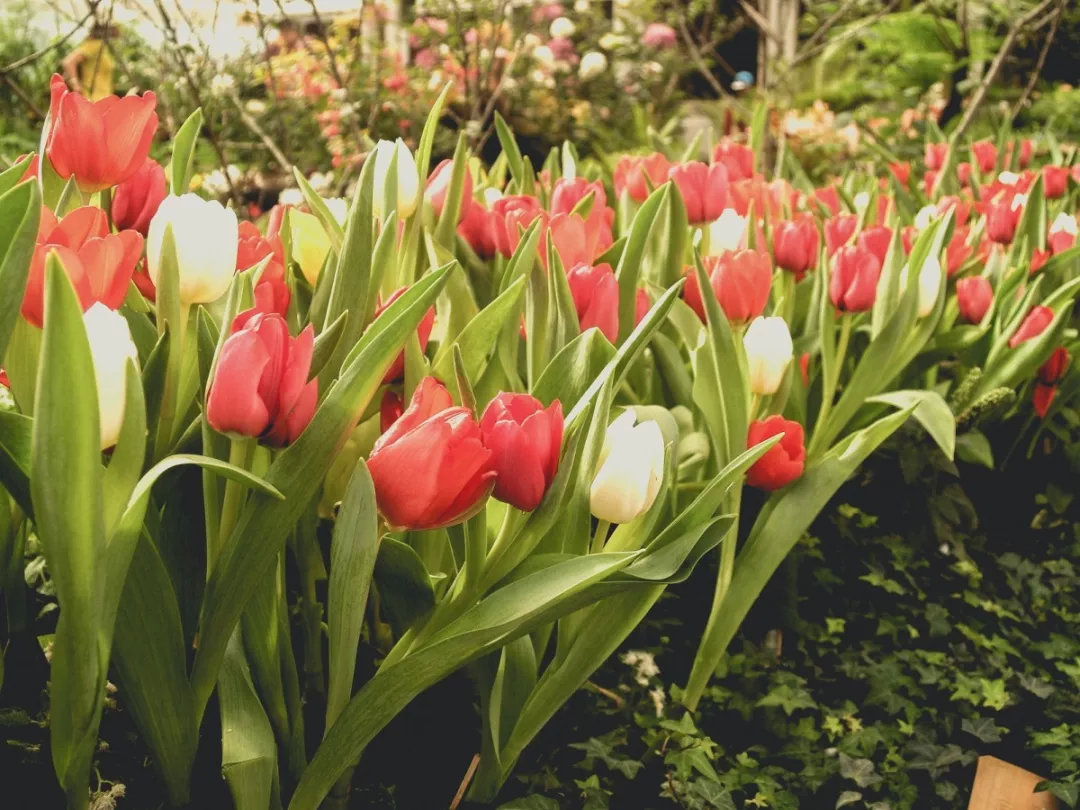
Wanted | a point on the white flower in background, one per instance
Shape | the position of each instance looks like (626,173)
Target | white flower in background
(726,232)
(630,471)
(110,347)
(491,196)
(205,234)
(581,6)
(652,68)
(255,106)
(544,55)
(861,201)
(656,694)
(291,196)
(929,283)
(339,207)
(925,216)
(408,182)
(530,42)
(1008,178)
(321,182)
(215,182)
(768,353)
(643,664)
(222,84)
(562,27)
(338,93)
(610,41)
(1064,223)
(593,64)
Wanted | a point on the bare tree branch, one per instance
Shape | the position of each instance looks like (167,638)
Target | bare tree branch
(828,23)
(253,125)
(809,53)
(1041,61)
(995,67)
(760,21)
(698,60)
(56,43)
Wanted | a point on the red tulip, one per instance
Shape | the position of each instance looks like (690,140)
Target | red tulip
(577,241)
(568,192)
(1055,181)
(642,305)
(838,232)
(828,197)
(704,189)
(961,209)
(740,279)
(795,244)
(928,181)
(1002,217)
(963,172)
(438,184)
(771,197)
(1059,241)
(260,386)
(631,172)
(1042,397)
(1032,326)
(934,155)
(251,249)
(985,155)
(100,264)
(885,204)
(477,227)
(784,461)
(876,239)
(101,143)
(1038,259)
(853,284)
(957,252)
(974,295)
(510,215)
(1053,370)
(804,368)
(1026,147)
(423,333)
(30,172)
(737,158)
(525,440)
(137,199)
(901,171)
(431,469)
(596,298)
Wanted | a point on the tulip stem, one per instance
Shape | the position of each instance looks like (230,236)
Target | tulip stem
(475,553)
(241,452)
(171,388)
(600,535)
(832,377)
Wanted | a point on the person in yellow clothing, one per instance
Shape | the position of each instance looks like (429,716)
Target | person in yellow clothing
(89,68)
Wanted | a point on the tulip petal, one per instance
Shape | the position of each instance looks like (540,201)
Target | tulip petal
(233,403)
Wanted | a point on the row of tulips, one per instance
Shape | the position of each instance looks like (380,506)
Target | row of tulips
(484,415)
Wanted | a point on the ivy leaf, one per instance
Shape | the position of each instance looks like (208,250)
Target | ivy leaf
(861,771)
(712,795)
(1068,792)
(848,797)
(982,728)
(598,749)
(994,693)
(534,802)
(789,698)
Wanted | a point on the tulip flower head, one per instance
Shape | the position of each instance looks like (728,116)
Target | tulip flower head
(632,171)
(929,284)
(934,155)
(737,158)
(206,236)
(769,351)
(136,200)
(423,333)
(784,461)
(727,232)
(1063,231)
(260,386)
(876,239)
(795,244)
(309,242)
(704,189)
(1055,181)
(984,154)
(525,440)
(431,468)
(630,471)
(101,143)
(741,281)
(510,215)
(838,232)
(1032,326)
(853,284)
(438,185)
(596,298)
(408,180)
(477,228)
(974,295)
(111,347)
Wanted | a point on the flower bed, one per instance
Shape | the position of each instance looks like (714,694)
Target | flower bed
(476,416)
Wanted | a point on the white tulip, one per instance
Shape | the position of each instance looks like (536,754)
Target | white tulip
(925,216)
(592,65)
(339,208)
(408,181)
(929,283)
(110,347)
(1007,178)
(861,201)
(726,232)
(630,472)
(768,353)
(205,234)
(1018,201)
(1064,222)
(291,196)
(562,27)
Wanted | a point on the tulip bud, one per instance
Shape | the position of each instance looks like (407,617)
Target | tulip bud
(630,472)
(726,232)
(704,189)
(260,386)
(438,185)
(1002,217)
(310,244)
(137,199)
(1063,232)
(111,347)
(408,181)
(431,469)
(525,440)
(795,245)
(838,232)
(737,158)
(741,281)
(1053,370)
(853,285)
(1032,326)
(596,298)
(934,155)
(631,172)
(974,295)
(1055,181)
(929,284)
(783,462)
(768,353)
(205,235)
(985,155)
